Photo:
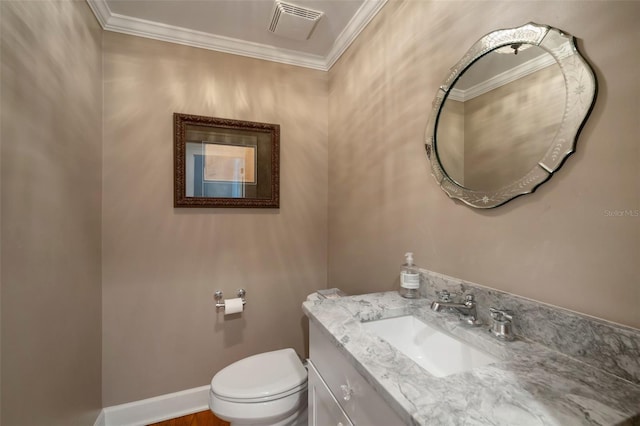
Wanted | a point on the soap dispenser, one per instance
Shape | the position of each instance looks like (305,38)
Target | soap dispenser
(409,278)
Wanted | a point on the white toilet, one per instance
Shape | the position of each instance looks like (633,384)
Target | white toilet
(268,389)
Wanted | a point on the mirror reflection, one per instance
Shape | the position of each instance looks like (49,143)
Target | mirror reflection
(500,117)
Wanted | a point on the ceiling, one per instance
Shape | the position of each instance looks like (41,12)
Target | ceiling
(240,26)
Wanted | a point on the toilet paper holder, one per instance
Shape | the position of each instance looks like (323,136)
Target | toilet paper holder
(220,298)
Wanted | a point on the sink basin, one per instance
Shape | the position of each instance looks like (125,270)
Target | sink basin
(435,351)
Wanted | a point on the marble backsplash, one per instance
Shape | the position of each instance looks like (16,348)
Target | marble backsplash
(608,346)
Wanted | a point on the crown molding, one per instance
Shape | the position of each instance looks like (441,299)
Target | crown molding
(163,32)
(362,17)
(101,10)
(503,78)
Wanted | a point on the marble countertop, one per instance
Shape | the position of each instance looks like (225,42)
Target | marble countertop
(531,385)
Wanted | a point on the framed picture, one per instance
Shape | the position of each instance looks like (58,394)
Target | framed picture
(220,162)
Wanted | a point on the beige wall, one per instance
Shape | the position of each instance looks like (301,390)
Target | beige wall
(161,265)
(50,231)
(559,245)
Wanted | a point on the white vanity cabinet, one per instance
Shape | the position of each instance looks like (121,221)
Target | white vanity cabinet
(338,394)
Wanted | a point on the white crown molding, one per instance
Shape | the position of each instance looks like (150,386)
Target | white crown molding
(503,78)
(158,31)
(362,17)
(101,10)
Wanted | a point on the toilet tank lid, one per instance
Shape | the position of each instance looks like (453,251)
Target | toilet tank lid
(260,375)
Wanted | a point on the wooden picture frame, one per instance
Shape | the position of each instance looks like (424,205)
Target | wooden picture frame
(220,162)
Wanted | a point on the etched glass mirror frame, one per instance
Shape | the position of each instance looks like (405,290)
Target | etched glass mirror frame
(580,87)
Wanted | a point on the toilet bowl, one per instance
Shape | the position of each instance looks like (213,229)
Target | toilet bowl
(268,389)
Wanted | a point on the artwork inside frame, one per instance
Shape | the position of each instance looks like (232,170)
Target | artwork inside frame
(230,163)
(221,162)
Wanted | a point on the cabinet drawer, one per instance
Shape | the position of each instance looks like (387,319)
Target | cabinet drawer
(363,405)
(324,410)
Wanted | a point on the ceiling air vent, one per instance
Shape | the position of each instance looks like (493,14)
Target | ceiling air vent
(291,21)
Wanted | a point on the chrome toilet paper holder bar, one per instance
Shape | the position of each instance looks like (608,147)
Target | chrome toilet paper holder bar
(220,298)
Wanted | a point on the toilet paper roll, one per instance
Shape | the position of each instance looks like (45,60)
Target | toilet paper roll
(233,306)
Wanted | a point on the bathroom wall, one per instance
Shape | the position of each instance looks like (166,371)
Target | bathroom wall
(574,243)
(51,125)
(161,265)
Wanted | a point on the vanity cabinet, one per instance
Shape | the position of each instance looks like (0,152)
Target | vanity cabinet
(338,394)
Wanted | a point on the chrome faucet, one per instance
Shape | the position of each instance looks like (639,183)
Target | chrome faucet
(467,309)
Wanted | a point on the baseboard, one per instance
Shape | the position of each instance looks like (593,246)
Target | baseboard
(100,421)
(157,409)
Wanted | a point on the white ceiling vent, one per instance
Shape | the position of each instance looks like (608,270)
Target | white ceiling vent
(291,21)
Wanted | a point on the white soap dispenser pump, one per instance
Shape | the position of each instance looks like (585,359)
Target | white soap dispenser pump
(409,278)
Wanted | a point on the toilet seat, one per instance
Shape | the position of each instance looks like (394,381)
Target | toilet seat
(268,398)
(260,378)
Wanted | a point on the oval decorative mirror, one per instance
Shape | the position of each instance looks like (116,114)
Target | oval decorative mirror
(508,114)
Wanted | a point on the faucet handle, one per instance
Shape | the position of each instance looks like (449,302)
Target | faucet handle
(501,327)
(501,314)
(444,296)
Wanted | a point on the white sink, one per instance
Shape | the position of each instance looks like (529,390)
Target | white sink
(435,351)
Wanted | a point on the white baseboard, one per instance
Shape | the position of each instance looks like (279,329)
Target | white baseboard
(100,421)
(156,409)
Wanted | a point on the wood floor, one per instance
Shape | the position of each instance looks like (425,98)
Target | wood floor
(203,418)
